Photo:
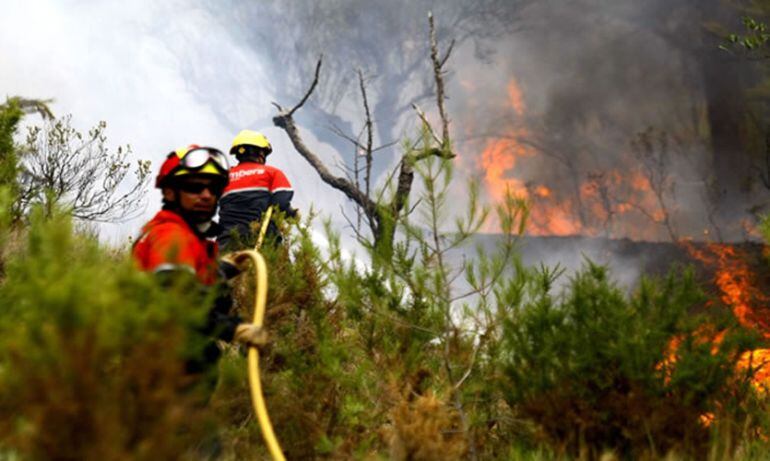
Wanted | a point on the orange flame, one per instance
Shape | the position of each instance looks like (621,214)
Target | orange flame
(542,191)
(516,97)
(734,280)
(556,219)
(758,361)
(498,159)
(627,203)
(736,283)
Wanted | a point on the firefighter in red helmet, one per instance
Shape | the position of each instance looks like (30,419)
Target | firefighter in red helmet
(178,240)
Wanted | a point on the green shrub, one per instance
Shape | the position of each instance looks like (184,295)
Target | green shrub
(304,368)
(597,370)
(92,354)
(390,360)
(10,116)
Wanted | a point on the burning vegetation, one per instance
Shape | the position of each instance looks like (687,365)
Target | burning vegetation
(634,199)
(416,355)
(738,287)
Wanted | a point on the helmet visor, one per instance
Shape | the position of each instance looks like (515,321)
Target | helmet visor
(197,158)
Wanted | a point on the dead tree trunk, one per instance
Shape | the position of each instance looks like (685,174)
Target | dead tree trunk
(381,216)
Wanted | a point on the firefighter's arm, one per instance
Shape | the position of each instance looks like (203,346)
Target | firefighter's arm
(228,327)
(282,193)
(163,253)
(220,323)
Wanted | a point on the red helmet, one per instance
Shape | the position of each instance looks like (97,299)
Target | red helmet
(192,160)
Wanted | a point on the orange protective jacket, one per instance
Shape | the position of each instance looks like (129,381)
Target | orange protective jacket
(168,243)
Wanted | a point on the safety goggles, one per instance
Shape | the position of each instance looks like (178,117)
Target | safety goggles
(197,158)
(216,188)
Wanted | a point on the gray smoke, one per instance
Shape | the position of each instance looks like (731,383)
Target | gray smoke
(593,74)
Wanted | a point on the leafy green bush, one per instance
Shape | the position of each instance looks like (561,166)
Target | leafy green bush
(10,116)
(92,353)
(303,367)
(358,363)
(391,361)
(598,370)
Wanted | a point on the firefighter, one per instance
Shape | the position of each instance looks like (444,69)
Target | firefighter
(178,241)
(254,186)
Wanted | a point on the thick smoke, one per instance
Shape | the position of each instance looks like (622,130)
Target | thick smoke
(594,76)
(619,100)
(618,130)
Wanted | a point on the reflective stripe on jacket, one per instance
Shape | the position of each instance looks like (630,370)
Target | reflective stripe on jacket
(167,242)
(252,189)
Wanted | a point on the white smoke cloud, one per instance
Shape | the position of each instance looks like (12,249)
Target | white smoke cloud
(127,62)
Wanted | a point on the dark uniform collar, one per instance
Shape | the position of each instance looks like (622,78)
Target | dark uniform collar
(213,230)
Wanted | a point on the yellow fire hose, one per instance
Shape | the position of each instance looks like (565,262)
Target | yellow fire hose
(263,227)
(257,398)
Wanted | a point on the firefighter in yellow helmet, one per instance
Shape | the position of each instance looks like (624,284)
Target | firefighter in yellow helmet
(253,187)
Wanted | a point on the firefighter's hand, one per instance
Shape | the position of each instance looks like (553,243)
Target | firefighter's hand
(250,335)
(230,268)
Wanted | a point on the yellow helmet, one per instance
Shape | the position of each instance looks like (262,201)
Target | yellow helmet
(250,138)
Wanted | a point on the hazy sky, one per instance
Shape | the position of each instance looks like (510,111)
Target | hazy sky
(118,61)
(154,71)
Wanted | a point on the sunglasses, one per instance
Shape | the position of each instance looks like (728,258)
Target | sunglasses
(199,187)
(197,158)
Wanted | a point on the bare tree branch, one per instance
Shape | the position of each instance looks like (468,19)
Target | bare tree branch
(284,120)
(437,73)
(425,121)
(338,131)
(384,146)
(652,149)
(368,124)
(448,52)
(598,181)
(33,105)
(61,166)
(382,217)
(312,87)
(467,373)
